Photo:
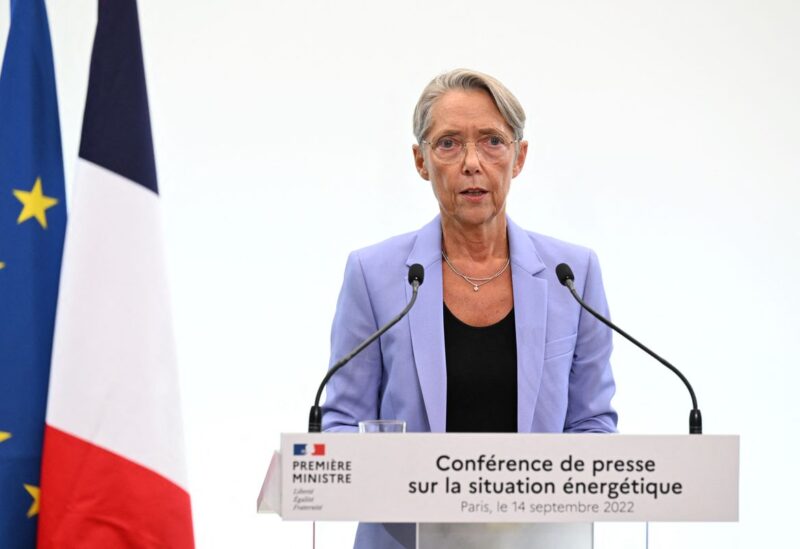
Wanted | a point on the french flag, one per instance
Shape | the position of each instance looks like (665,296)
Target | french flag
(113,472)
(309,449)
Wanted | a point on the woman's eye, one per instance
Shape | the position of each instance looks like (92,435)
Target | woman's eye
(495,141)
(446,143)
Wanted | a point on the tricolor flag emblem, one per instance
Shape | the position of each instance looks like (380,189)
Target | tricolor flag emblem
(113,473)
(309,449)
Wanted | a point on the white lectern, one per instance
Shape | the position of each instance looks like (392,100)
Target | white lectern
(546,489)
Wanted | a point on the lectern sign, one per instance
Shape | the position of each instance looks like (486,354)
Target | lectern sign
(422,477)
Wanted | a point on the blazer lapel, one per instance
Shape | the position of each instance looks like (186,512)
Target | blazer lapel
(426,320)
(530,317)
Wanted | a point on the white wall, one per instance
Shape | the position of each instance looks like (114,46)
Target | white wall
(665,135)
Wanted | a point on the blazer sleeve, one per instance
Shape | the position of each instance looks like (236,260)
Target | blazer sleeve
(591,383)
(352,393)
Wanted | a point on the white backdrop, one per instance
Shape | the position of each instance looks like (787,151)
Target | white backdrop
(665,135)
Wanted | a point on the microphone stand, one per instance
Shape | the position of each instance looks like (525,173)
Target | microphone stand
(566,278)
(415,276)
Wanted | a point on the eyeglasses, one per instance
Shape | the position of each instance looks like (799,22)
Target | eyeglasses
(491,148)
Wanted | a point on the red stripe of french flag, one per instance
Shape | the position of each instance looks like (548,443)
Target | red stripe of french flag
(99,499)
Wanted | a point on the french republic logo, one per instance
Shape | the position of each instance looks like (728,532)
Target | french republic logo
(309,449)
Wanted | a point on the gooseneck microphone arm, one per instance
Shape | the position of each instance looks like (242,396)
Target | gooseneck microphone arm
(566,278)
(416,274)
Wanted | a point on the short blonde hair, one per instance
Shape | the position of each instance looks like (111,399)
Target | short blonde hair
(465,79)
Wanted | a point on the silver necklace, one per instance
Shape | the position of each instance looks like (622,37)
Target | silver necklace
(476,281)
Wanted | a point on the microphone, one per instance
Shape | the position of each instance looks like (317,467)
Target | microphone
(566,278)
(416,274)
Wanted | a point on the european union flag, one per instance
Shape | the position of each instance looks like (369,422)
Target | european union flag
(32,220)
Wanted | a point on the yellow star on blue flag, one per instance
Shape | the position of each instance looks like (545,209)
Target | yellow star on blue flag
(34,492)
(34,203)
(32,221)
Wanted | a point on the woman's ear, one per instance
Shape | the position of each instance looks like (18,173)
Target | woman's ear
(419,162)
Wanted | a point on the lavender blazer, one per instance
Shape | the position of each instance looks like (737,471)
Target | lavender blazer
(564,380)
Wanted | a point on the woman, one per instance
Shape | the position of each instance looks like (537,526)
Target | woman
(494,343)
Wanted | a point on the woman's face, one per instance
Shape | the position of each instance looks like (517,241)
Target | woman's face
(471,191)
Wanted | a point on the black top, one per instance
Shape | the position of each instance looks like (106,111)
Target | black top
(481,376)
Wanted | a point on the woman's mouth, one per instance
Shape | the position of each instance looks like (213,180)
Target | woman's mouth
(474,193)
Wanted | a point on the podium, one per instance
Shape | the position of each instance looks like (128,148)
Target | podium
(535,490)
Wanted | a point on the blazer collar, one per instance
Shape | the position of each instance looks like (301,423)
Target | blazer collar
(523,252)
(427,248)
(428,245)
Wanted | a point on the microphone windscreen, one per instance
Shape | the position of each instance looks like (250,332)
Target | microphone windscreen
(564,273)
(416,272)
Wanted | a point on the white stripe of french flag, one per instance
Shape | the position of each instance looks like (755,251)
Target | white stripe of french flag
(113,472)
